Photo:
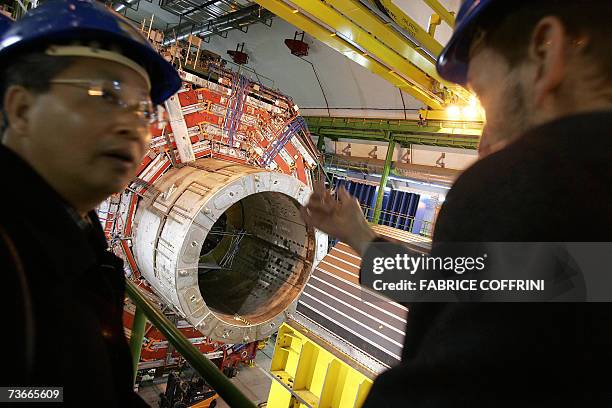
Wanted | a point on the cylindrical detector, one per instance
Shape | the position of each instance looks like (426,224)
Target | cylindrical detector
(225,246)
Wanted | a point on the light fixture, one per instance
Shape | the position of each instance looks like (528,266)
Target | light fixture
(470,112)
(453,111)
(474,101)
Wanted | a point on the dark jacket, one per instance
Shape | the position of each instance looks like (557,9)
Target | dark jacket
(553,184)
(63,296)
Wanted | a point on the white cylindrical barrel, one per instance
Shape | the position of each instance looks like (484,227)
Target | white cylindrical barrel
(225,246)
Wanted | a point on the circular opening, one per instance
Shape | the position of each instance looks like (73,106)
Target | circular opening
(214,238)
(256,259)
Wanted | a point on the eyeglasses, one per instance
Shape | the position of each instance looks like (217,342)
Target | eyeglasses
(112,95)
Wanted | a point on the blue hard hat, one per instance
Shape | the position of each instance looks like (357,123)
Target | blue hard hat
(453,62)
(86,21)
(5,23)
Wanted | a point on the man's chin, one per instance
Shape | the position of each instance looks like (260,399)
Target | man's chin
(109,187)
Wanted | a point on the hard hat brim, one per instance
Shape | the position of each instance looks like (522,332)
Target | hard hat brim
(453,62)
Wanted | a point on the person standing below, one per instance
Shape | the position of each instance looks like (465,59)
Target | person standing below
(542,70)
(79,88)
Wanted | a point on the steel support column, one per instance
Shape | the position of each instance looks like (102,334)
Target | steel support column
(206,368)
(321,143)
(138,328)
(383,181)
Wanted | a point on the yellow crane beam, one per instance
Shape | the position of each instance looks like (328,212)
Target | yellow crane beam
(411,27)
(389,39)
(446,16)
(330,16)
(361,35)
(298,19)
(362,16)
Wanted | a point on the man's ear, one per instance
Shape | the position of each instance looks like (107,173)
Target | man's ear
(17,104)
(548,51)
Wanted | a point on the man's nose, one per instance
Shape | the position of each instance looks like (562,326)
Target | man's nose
(134,130)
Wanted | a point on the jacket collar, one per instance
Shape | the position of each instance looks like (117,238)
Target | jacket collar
(53,222)
(584,130)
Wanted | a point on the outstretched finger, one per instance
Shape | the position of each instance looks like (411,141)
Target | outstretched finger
(319,186)
(313,218)
(343,195)
(305,213)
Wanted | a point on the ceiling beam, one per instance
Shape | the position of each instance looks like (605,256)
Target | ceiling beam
(449,134)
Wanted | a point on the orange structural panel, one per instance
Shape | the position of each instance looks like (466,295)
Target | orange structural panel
(292,151)
(157,132)
(300,170)
(282,165)
(203,153)
(208,95)
(130,258)
(195,118)
(199,95)
(108,224)
(132,207)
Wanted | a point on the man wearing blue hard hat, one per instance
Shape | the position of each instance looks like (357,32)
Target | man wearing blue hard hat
(542,70)
(79,88)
